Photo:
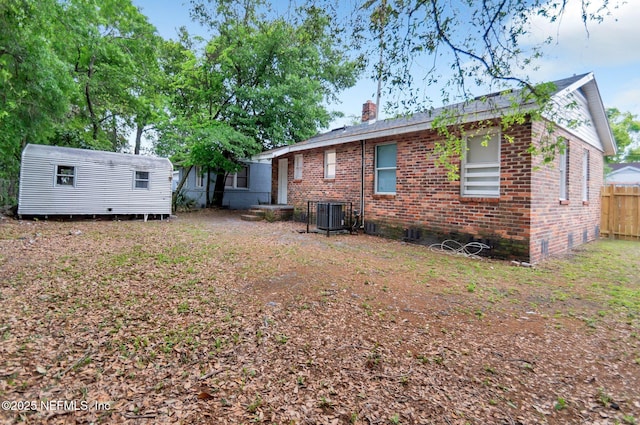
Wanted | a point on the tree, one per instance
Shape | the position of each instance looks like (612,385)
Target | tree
(112,49)
(259,83)
(73,73)
(626,131)
(35,85)
(460,47)
(149,102)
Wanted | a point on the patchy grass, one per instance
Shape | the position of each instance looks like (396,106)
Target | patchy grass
(210,319)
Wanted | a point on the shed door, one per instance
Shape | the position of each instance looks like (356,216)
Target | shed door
(283,167)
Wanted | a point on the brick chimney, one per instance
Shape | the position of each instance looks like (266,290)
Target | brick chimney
(369,111)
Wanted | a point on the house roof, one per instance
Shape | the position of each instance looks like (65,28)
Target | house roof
(62,154)
(623,165)
(485,107)
(624,174)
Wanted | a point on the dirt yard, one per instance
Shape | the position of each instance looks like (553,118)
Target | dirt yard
(208,319)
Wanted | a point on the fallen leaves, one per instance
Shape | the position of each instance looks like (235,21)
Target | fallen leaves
(210,319)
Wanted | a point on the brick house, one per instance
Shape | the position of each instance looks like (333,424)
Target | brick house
(505,196)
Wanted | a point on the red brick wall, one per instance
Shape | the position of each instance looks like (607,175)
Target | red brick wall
(314,187)
(555,223)
(428,202)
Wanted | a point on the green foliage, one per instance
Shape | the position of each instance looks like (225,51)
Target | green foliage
(258,83)
(72,73)
(114,49)
(422,60)
(530,103)
(626,130)
(560,404)
(83,74)
(34,79)
(494,51)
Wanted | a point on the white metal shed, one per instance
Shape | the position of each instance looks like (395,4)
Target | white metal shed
(67,181)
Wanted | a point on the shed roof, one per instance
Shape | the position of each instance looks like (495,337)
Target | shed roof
(61,153)
(484,107)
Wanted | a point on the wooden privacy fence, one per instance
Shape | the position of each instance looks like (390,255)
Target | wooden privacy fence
(620,218)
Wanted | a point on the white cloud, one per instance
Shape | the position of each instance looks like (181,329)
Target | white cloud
(613,42)
(610,49)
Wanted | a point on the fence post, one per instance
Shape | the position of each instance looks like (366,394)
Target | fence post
(612,212)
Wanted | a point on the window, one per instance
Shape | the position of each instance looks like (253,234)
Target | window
(141,180)
(386,168)
(564,170)
(481,166)
(239,180)
(65,175)
(297,167)
(199,177)
(585,176)
(330,165)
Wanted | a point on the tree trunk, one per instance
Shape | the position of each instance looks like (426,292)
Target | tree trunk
(139,130)
(87,95)
(218,190)
(183,180)
(208,185)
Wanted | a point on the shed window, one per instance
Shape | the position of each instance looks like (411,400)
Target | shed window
(386,168)
(330,165)
(239,180)
(141,180)
(65,175)
(481,166)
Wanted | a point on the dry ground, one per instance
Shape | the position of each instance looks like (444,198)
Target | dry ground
(207,319)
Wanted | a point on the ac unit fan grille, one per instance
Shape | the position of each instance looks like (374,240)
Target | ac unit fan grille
(329,216)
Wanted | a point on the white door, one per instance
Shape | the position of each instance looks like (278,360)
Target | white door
(283,168)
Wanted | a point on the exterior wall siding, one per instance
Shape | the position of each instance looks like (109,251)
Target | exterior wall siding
(196,194)
(104,183)
(574,108)
(258,191)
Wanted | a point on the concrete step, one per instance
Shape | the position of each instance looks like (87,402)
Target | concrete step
(256,211)
(251,217)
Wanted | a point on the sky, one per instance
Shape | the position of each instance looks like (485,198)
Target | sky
(610,49)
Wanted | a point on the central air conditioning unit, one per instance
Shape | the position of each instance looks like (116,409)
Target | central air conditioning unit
(329,216)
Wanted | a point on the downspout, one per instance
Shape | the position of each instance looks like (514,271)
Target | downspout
(362,146)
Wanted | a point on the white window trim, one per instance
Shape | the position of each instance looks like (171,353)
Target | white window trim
(326,164)
(465,175)
(199,176)
(383,168)
(585,175)
(56,175)
(235,181)
(136,179)
(563,167)
(298,164)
